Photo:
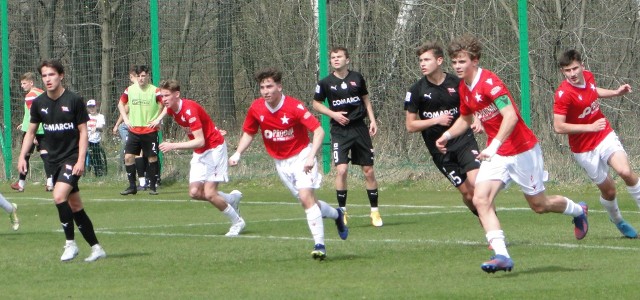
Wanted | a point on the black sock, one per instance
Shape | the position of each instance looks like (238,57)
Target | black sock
(45,161)
(153,175)
(341,195)
(85,227)
(141,167)
(373,197)
(131,175)
(66,219)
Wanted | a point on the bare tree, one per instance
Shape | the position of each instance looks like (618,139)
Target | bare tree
(109,10)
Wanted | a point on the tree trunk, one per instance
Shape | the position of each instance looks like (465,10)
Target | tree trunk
(46,40)
(183,39)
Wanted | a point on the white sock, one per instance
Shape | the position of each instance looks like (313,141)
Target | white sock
(374,209)
(314,219)
(327,210)
(635,192)
(612,209)
(49,181)
(496,240)
(22,183)
(573,209)
(6,204)
(142,181)
(231,214)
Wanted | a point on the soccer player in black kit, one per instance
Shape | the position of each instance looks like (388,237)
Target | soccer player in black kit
(348,97)
(64,117)
(432,104)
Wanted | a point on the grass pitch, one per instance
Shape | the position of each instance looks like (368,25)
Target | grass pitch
(430,247)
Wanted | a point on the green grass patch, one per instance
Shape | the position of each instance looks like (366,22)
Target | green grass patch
(431,247)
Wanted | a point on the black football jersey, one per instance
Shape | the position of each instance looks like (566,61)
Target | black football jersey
(429,101)
(60,119)
(344,95)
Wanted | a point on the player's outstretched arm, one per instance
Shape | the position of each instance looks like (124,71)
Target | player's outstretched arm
(620,91)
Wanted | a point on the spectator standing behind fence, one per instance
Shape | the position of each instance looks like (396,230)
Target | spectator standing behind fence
(348,97)
(595,146)
(64,117)
(209,162)
(512,152)
(143,120)
(95,125)
(284,123)
(27,82)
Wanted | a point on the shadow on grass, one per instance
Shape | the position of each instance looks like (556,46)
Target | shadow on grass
(126,255)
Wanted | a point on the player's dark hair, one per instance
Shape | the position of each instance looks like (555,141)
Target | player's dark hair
(28,76)
(52,63)
(170,84)
(142,68)
(467,43)
(569,57)
(430,46)
(335,49)
(132,69)
(269,72)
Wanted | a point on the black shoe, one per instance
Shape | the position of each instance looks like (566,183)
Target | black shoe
(153,192)
(129,191)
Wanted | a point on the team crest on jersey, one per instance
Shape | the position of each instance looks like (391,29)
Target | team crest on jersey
(65,109)
(188,112)
(451,91)
(560,93)
(343,85)
(489,81)
(261,119)
(284,119)
(353,83)
(495,90)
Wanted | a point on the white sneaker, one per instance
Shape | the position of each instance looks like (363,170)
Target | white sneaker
(96,253)
(70,251)
(236,228)
(13,217)
(235,200)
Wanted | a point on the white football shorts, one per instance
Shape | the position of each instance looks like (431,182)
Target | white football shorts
(210,166)
(595,161)
(526,169)
(291,172)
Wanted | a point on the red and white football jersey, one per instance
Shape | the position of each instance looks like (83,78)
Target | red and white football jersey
(479,100)
(32,95)
(191,116)
(285,130)
(580,105)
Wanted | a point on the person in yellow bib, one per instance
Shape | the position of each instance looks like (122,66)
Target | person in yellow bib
(143,120)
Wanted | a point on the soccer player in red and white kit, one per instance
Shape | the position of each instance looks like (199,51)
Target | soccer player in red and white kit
(209,163)
(285,122)
(595,146)
(512,154)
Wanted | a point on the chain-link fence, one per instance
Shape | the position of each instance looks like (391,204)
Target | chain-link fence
(214,47)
